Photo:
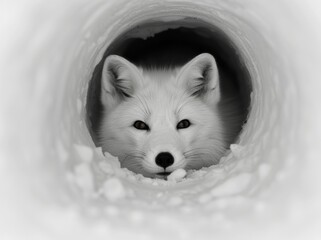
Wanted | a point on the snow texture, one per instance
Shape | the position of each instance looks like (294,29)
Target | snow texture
(56,185)
(177,175)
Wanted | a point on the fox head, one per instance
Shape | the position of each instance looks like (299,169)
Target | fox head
(157,121)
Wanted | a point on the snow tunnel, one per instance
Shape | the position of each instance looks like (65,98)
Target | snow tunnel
(57,184)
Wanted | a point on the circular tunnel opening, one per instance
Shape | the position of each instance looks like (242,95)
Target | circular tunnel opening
(155,44)
(55,169)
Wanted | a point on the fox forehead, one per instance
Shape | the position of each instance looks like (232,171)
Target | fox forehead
(157,100)
(159,103)
(159,76)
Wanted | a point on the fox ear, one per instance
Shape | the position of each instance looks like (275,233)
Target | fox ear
(119,80)
(200,77)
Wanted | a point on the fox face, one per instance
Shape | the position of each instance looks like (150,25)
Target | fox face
(157,121)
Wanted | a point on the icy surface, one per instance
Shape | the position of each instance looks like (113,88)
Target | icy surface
(83,177)
(113,189)
(234,185)
(85,153)
(56,185)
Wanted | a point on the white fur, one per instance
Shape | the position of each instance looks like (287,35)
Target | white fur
(161,98)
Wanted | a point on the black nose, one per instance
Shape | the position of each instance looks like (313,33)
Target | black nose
(164,159)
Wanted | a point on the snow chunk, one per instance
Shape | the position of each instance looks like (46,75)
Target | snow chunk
(264,170)
(177,175)
(106,167)
(175,201)
(236,150)
(85,153)
(113,160)
(232,186)
(113,189)
(83,177)
(99,152)
(196,174)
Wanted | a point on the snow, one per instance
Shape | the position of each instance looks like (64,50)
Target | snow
(83,177)
(56,185)
(233,185)
(175,201)
(113,190)
(62,152)
(85,153)
(79,106)
(106,167)
(177,175)
(236,150)
(264,170)
(204,198)
(112,160)
(111,210)
(136,216)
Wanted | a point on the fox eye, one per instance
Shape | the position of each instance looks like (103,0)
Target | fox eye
(140,125)
(183,124)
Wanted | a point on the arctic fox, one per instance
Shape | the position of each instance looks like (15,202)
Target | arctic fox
(159,120)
